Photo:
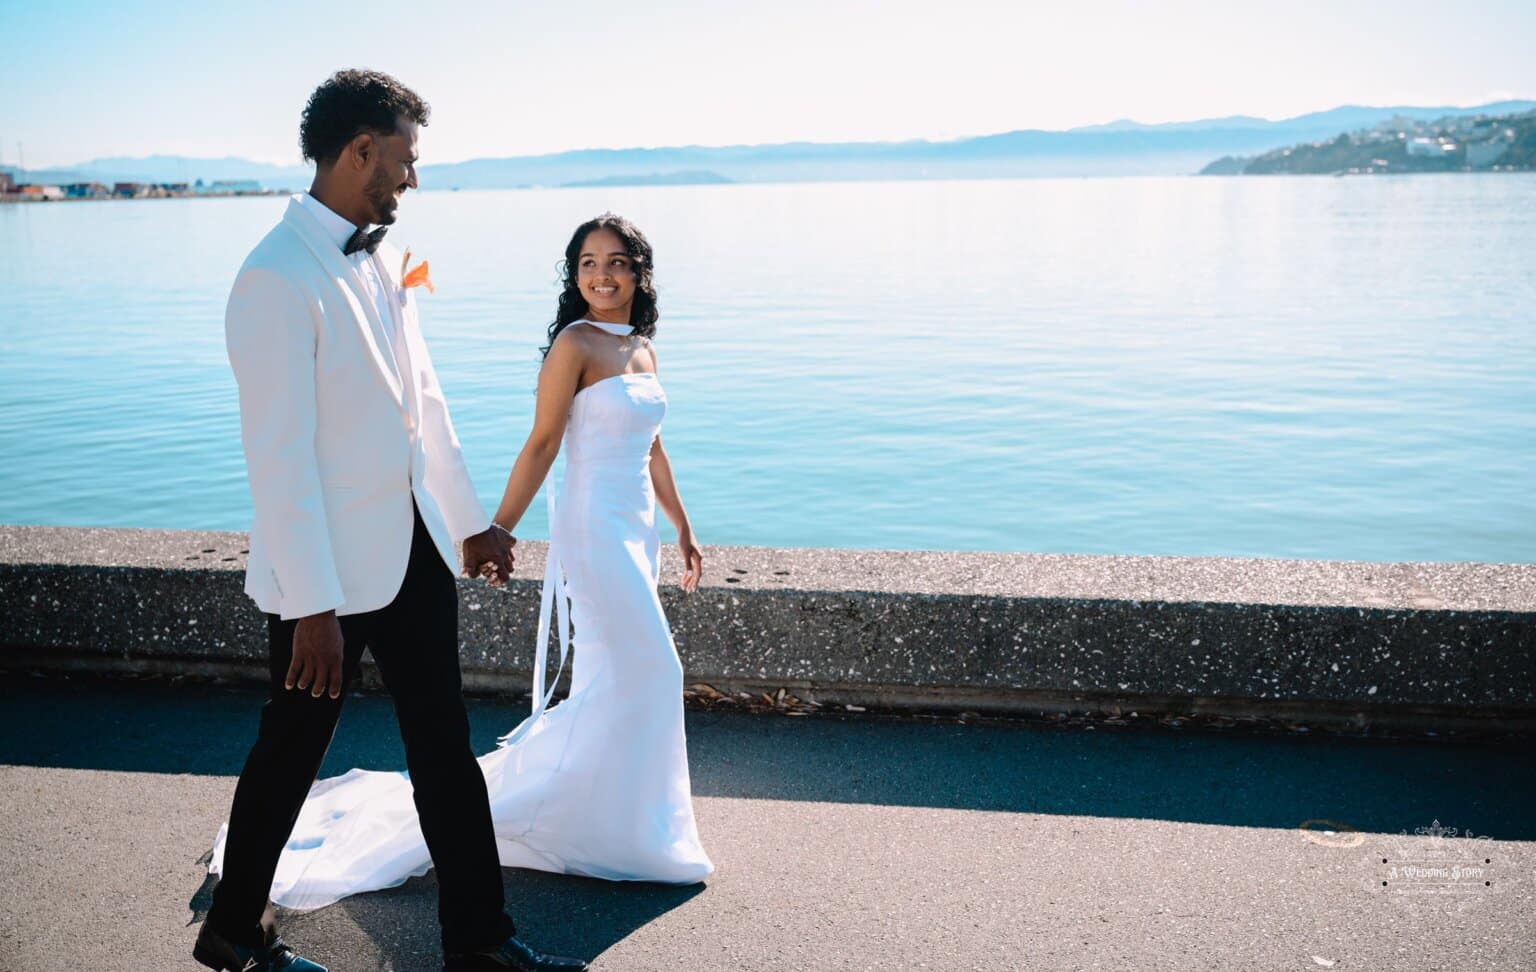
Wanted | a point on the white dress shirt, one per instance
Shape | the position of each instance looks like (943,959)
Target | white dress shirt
(341,230)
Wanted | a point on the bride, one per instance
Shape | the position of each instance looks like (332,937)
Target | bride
(598,784)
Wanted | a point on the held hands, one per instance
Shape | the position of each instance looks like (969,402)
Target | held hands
(316,664)
(317,640)
(693,561)
(489,555)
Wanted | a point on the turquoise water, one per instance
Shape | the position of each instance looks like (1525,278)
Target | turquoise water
(1308,367)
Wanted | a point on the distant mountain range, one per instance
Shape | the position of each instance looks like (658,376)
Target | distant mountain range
(1119,148)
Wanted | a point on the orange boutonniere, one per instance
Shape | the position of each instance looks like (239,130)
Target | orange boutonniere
(416,277)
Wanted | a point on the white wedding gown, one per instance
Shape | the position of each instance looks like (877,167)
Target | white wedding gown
(596,785)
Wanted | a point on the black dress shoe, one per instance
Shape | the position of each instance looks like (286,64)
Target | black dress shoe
(218,952)
(511,954)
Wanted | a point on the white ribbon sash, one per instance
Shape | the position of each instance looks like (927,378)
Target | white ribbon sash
(550,604)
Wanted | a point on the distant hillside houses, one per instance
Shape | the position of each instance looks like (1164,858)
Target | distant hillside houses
(86,190)
(237,187)
(11,191)
(29,193)
(1484,143)
(1450,144)
(1430,148)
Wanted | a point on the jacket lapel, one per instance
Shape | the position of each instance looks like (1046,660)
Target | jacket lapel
(364,314)
(392,275)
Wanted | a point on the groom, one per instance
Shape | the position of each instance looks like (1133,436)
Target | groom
(360,495)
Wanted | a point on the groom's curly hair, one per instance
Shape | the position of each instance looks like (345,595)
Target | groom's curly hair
(573,306)
(351,102)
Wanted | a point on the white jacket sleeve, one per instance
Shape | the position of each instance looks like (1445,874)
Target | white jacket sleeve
(447,475)
(270,333)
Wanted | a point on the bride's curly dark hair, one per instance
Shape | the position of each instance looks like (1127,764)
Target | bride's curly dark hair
(573,306)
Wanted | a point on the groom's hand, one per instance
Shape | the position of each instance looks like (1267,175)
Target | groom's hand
(316,661)
(489,555)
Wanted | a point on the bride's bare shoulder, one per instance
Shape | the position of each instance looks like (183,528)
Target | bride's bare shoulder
(574,331)
(575,341)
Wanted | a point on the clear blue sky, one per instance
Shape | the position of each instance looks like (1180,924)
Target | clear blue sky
(83,80)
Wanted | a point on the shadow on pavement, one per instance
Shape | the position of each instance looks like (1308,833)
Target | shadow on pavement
(555,913)
(566,915)
(151,726)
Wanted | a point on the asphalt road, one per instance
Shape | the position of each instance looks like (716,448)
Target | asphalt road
(842,842)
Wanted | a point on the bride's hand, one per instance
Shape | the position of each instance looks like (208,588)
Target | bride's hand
(693,562)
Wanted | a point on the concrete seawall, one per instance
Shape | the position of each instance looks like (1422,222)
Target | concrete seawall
(1412,645)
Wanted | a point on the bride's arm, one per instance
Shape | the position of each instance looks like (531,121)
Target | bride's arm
(672,504)
(557,386)
(666,488)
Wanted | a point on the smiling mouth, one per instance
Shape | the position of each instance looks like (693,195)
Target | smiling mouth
(605,291)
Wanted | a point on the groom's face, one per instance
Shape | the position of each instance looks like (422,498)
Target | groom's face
(393,170)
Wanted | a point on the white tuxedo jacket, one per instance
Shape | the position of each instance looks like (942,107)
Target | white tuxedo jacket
(336,445)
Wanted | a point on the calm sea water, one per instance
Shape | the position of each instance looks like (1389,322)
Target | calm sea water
(1310,367)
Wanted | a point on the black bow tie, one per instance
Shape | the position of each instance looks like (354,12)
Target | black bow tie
(364,241)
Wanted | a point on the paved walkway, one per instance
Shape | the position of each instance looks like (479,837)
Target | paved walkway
(841,842)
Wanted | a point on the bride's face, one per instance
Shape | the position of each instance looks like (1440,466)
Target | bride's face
(605,274)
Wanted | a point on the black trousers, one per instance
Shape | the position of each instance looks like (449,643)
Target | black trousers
(415,643)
